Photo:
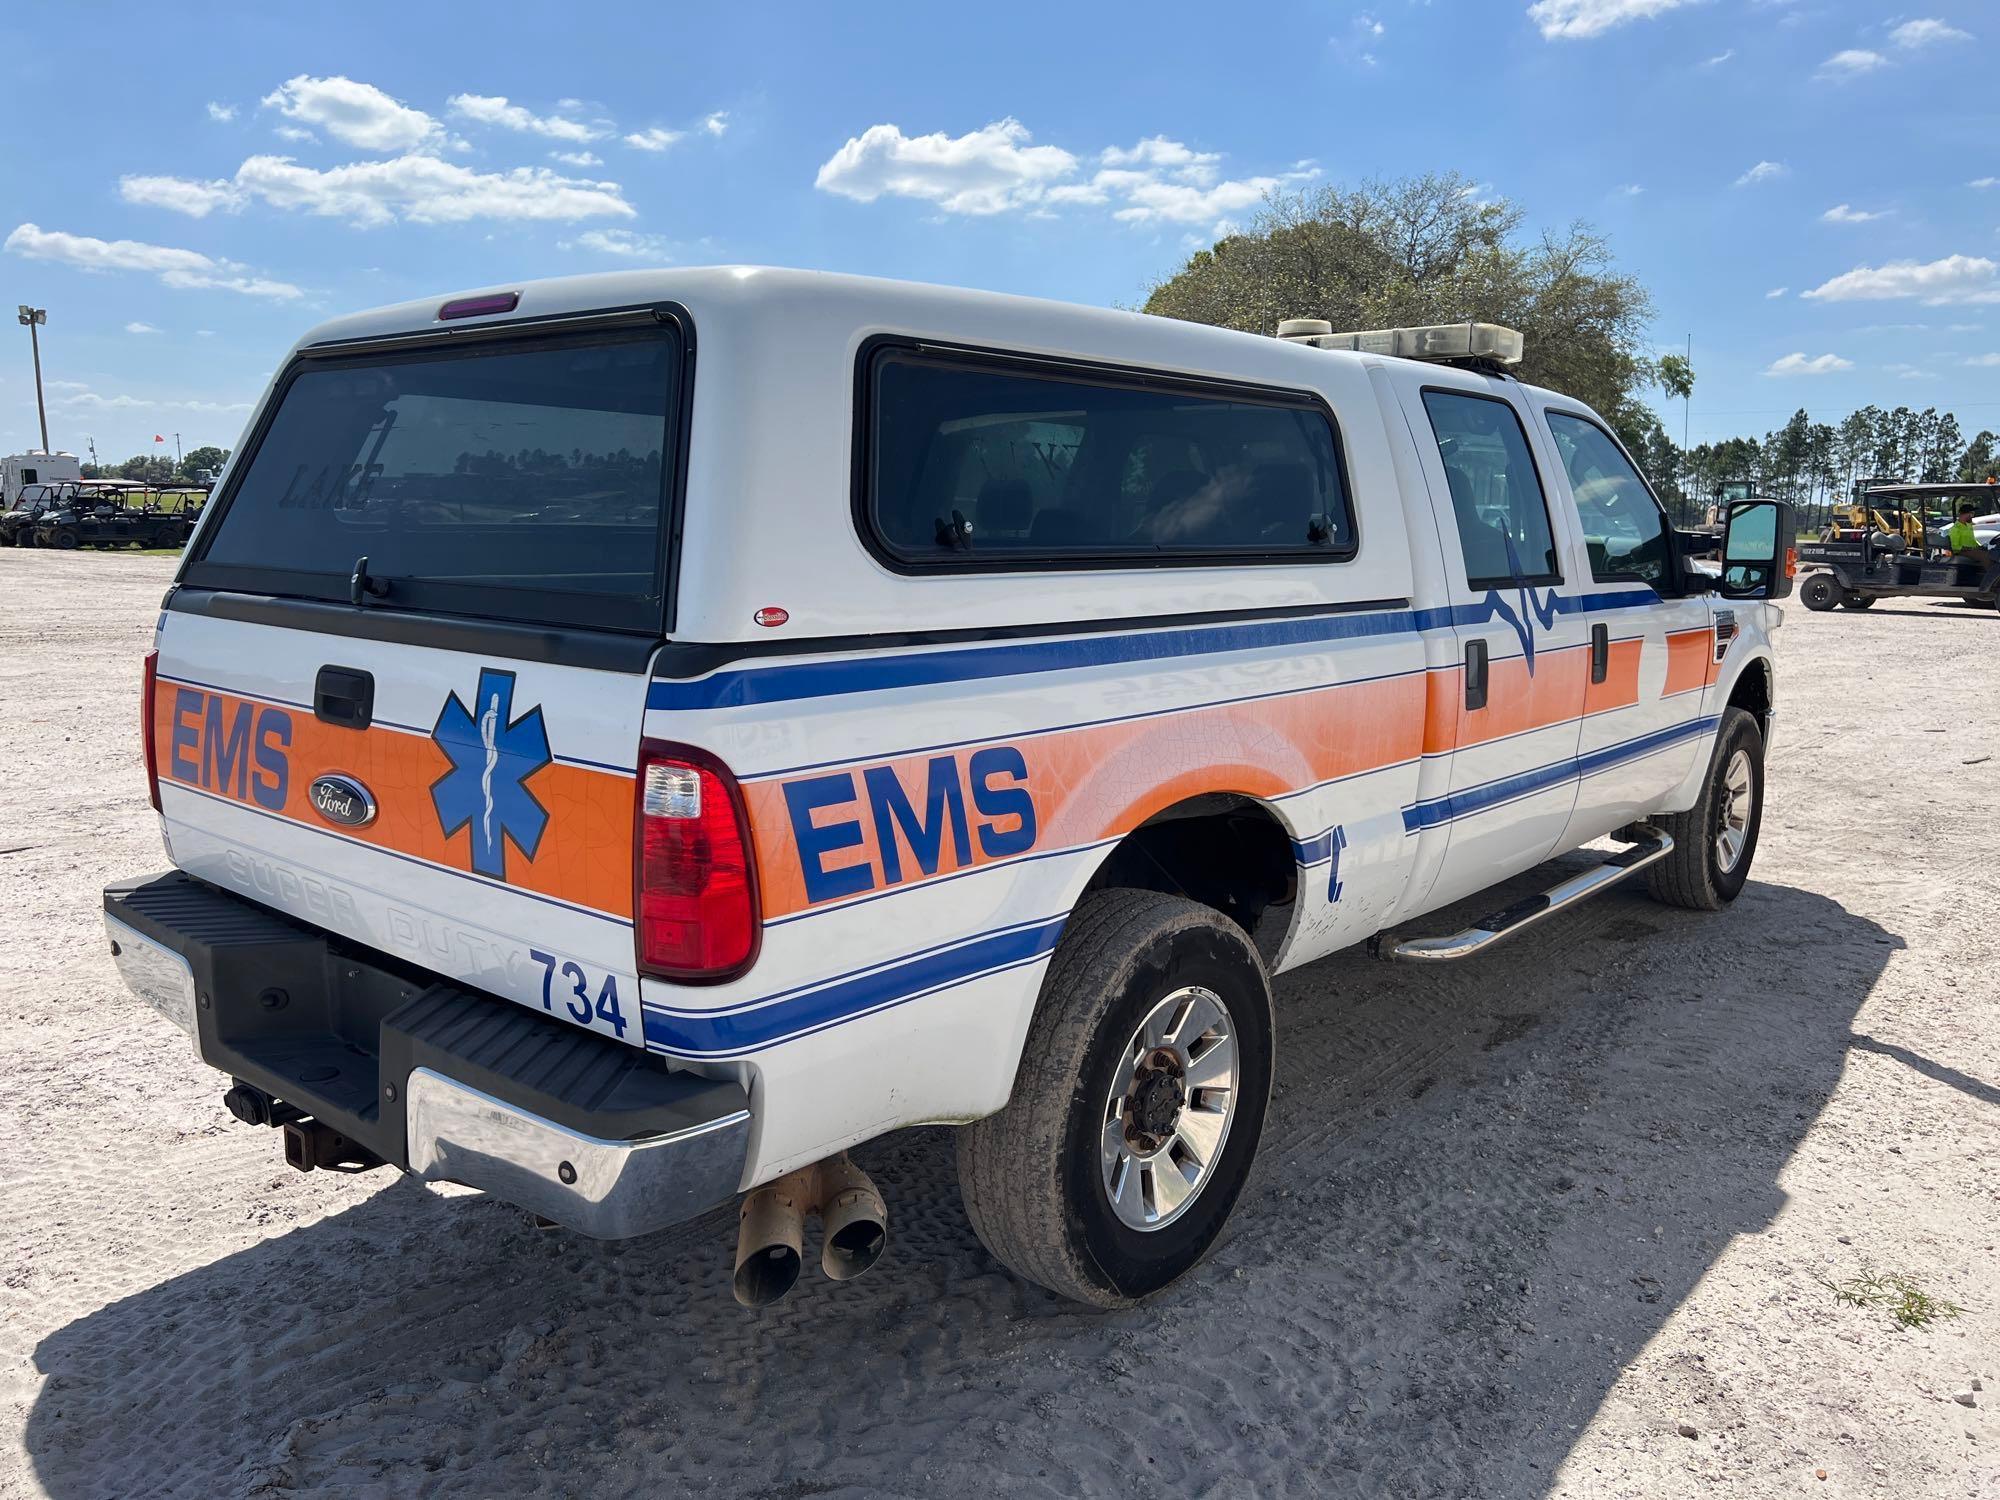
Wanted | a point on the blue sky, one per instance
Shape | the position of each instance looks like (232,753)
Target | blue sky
(1811,188)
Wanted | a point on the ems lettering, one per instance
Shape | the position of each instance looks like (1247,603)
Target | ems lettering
(232,748)
(960,812)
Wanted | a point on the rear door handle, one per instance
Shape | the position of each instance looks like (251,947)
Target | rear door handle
(1475,674)
(1600,652)
(344,696)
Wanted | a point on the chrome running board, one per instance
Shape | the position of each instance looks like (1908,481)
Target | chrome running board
(1652,846)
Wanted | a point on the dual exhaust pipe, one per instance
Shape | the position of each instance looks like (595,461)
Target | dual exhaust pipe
(771,1232)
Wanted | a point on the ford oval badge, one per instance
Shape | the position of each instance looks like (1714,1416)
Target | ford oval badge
(342,800)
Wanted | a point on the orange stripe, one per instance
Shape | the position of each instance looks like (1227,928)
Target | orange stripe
(1620,688)
(585,852)
(1690,660)
(1096,783)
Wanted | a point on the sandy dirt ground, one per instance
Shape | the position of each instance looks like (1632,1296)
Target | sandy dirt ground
(1517,1228)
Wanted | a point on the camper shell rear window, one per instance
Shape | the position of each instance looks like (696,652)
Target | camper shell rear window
(529,478)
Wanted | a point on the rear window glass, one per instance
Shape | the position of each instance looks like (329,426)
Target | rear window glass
(975,465)
(525,479)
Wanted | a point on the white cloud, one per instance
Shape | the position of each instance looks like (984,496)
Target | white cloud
(1719,59)
(1982,183)
(1907,372)
(1927,32)
(1776,292)
(1965,328)
(622,242)
(1955,278)
(1583,18)
(222,114)
(715,123)
(90,400)
(996,170)
(1764,171)
(184,196)
(294,133)
(358,113)
(652,139)
(577,158)
(1158,151)
(186,269)
(985,171)
(1798,364)
(1842,213)
(1629,189)
(1984,361)
(494,109)
(140,328)
(421,189)
(1851,63)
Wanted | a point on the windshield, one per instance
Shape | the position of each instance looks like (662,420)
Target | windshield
(522,480)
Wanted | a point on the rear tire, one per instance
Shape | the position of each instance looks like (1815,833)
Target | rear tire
(1103,1082)
(1819,592)
(65,541)
(1716,839)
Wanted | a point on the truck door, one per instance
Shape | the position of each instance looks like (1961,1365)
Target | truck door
(1506,715)
(1652,648)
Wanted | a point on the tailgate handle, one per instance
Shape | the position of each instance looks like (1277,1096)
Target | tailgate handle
(344,697)
(1600,652)
(1475,674)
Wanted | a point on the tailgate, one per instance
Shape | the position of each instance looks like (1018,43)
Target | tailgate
(479,824)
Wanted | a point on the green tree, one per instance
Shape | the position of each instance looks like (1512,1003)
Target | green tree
(1427,250)
(1978,461)
(1676,376)
(208,457)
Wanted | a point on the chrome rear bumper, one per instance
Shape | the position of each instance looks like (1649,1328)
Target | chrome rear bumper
(609,1190)
(449,1084)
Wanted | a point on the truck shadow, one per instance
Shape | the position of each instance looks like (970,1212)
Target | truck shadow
(1483,1191)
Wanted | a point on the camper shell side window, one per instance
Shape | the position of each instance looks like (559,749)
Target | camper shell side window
(973,460)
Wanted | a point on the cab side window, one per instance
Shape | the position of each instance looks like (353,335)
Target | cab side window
(1496,493)
(1623,525)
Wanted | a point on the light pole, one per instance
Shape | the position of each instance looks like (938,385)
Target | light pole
(31,319)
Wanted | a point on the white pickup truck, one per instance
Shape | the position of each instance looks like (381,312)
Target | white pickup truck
(625,740)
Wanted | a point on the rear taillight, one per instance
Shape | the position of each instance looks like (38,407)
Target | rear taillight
(146,697)
(695,913)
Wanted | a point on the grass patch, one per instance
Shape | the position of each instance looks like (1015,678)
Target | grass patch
(1909,1304)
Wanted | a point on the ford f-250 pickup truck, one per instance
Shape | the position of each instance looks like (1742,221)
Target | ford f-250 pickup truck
(622,741)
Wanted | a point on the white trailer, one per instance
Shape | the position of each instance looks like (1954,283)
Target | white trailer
(34,468)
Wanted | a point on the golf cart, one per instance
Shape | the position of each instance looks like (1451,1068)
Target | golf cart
(93,513)
(1887,550)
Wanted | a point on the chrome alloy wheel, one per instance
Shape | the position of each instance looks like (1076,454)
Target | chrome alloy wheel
(1169,1108)
(1732,820)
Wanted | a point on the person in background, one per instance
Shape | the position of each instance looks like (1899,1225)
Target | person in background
(1963,542)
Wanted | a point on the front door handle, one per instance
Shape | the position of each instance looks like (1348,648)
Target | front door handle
(1475,674)
(1600,652)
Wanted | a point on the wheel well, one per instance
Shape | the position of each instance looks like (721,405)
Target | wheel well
(1752,692)
(1223,850)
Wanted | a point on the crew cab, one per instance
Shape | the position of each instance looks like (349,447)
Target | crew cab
(624,740)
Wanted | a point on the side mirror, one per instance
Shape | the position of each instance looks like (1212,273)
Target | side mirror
(1759,558)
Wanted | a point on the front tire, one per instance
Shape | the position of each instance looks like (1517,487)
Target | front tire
(1716,839)
(1137,1107)
(1819,592)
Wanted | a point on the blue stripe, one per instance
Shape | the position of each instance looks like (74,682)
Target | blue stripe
(834,676)
(698,1034)
(1526,783)
(742,687)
